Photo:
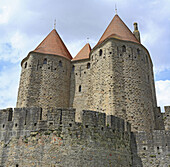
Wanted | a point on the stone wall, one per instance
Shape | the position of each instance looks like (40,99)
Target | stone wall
(159,120)
(154,148)
(166,117)
(45,81)
(26,140)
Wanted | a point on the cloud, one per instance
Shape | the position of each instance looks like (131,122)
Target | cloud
(162,91)
(9,86)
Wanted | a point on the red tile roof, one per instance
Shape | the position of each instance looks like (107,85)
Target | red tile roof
(84,53)
(118,29)
(54,45)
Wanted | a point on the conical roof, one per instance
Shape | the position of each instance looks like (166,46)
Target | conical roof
(84,53)
(118,29)
(54,45)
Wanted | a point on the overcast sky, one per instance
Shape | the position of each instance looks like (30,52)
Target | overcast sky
(25,23)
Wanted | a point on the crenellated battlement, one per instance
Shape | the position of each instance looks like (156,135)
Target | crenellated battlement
(23,135)
(22,121)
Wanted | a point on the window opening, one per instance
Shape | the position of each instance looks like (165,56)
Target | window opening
(41,114)
(80,88)
(123,48)
(26,65)
(73,68)
(138,51)
(60,63)
(88,65)
(45,61)
(100,52)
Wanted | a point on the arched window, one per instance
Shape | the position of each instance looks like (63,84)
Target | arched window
(60,63)
(100,52)
(26,65)
(80,88)
(88,65)
(123,48)
(73,68)
(45,61)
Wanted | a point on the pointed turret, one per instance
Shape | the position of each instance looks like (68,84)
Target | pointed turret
(118,29)
(84,53)
(54,45)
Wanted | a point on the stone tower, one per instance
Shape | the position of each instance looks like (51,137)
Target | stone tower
(45,76)
(116,78)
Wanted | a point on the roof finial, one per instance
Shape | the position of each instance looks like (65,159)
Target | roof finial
(88,39)
(115,9)
(55,24)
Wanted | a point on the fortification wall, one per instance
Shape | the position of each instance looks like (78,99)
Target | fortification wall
(26,140)
(154,149)
(159,120)
(166,118)
(45,81)
(121,83)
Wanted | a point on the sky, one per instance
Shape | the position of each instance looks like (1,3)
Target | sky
(24,24)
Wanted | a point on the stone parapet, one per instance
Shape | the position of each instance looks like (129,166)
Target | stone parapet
(26,135)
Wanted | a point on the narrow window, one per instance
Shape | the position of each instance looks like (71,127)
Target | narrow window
(100,52)
(41,114)
(88,65)
(17,165)
(138,51)
(123,48)
(26,65)
(73,68)
(80,88)
(45,61)
(60,63)
(146,58)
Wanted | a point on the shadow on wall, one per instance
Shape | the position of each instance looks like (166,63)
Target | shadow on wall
(136,160)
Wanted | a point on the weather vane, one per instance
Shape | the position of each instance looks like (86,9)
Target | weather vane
(55,24)
(115,9)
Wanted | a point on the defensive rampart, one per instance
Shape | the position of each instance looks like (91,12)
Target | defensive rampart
(27,140)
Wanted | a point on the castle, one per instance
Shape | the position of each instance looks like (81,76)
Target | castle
(97,109)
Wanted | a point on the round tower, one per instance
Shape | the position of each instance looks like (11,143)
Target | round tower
(45,75)
(122,82)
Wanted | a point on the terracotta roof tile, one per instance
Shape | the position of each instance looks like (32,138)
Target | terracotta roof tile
(84,53)
(118,29)
(54,45)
